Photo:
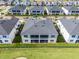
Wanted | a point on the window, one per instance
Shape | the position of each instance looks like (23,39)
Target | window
(18,10)
(53,11)
(43,36)
(73,36)
(58,11)
(6,40)
(77,41)
(78,37)
(34,36)
(1,41)
(52,36)
(71,40)
(18,25)
(26,40)
(13,10)
(4,36)
(43,41)
(25,35)
(51,40)
(38,11)
(34,41)
(34,11)
(77,11)
(73,11)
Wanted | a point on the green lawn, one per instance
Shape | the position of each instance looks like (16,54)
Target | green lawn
(40,53)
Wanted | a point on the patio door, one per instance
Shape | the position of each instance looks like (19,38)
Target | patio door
(43,41)
(34,41)
(77,41)
(1,41)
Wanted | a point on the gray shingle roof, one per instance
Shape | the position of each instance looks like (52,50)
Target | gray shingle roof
(54,8)
(6,26)
(22,0)
(72,26)
(72,8)
(37,8)
(19,7)
(5,0)
(36,26)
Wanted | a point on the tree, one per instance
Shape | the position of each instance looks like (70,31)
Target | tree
(19,1)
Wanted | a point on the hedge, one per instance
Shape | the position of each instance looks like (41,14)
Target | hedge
(39,45)
(9,14)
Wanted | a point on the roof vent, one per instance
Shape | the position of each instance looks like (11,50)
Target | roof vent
(75,23)
(35,25)
(32,19)
(43,25)
(43,22)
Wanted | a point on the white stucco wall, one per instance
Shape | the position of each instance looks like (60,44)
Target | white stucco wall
(65,10)
(47,11)
(67,36)
(63,31)
(21,12)
(41,12)
(11,36)
(50,12)
(29,39)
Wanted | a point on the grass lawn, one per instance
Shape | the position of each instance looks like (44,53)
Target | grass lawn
(40,53)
